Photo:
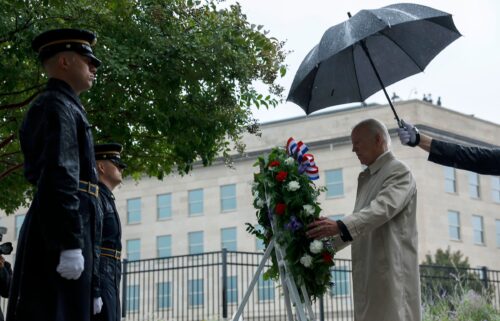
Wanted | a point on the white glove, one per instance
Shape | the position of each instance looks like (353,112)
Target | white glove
(97,305)
(408,134)
(70,264)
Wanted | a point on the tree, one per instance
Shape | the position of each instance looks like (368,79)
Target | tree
(175,87)
(448,274)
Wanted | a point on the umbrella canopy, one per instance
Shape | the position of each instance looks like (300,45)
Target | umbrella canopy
(371,50)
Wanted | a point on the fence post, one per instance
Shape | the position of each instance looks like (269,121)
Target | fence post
(124,288)
(224,284)
(321,309)
(484,270)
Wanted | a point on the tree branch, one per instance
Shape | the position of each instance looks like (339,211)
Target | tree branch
(10,170)
(9,154)
(7,141)
(21,104)
(22,91)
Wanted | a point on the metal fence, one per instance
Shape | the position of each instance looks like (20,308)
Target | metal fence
(210,286)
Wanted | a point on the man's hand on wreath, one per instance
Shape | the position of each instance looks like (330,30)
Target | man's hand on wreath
(321,228)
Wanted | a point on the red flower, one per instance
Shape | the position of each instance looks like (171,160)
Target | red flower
(274,163)
(280,209)
(281,176)
(327,258)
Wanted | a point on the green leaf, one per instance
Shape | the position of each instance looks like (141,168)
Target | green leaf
(166,65)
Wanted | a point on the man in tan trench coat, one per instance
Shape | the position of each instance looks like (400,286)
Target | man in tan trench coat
(382,231)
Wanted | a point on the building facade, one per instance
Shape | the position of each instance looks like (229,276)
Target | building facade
(207,209)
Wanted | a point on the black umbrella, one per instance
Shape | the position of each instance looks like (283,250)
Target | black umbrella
(371,50)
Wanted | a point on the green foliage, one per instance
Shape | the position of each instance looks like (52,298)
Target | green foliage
(299,195)
(445,274)
(463,305)
(175,87)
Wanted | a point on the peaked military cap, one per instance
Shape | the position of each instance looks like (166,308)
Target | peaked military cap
(54,41)
(110,152)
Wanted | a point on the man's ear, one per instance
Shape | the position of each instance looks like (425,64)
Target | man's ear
(379,140)
(63,60)
(100,168)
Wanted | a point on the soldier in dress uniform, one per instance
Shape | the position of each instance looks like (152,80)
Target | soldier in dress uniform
(53,271)
(110,167)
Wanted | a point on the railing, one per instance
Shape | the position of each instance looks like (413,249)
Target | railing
(210,286)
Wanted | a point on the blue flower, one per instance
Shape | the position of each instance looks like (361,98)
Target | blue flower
(294,224)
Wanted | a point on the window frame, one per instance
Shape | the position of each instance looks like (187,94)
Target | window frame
(137,212)
(192,203)
(232,197)
(334,183)
(160,208)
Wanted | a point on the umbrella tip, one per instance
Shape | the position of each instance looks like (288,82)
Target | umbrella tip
(349,14)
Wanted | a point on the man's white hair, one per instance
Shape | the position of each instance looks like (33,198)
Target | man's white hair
(375,126)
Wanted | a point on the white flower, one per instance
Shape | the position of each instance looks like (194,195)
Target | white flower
(309,209)
(316,246)
(290,161)
(293,186)
(306,260)
(259,203)
(256,194)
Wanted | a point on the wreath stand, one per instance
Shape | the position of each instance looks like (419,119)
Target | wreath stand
(290,291)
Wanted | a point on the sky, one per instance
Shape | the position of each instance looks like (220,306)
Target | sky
(466,74)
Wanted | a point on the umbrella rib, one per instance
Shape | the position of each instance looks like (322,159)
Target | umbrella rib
(356,72)
(401,48)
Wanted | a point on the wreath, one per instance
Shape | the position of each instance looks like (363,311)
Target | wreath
(284,192)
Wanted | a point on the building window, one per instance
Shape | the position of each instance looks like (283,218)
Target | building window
(228,238)
(334,183)
(133,210)
(473,185)
(195,292)
(133,298)
(495,189)
(341,285)
(450,183)
(163,295)
(164,245)
(454,225)
(19,222)
(134,250)
(477,225)
(266,289)
(195,199)
(164,206)
(195,242)
(497,228)
(232,289)
(228,198)
(259,244)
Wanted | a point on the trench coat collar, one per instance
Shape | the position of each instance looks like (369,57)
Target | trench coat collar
(65,88)
(380,162)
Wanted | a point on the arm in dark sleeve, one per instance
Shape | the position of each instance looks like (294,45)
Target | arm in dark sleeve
(97,268)
(344,232)
(58,184)
(475,159)
(5,277)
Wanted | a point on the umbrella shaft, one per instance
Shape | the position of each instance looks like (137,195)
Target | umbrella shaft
(365,49)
